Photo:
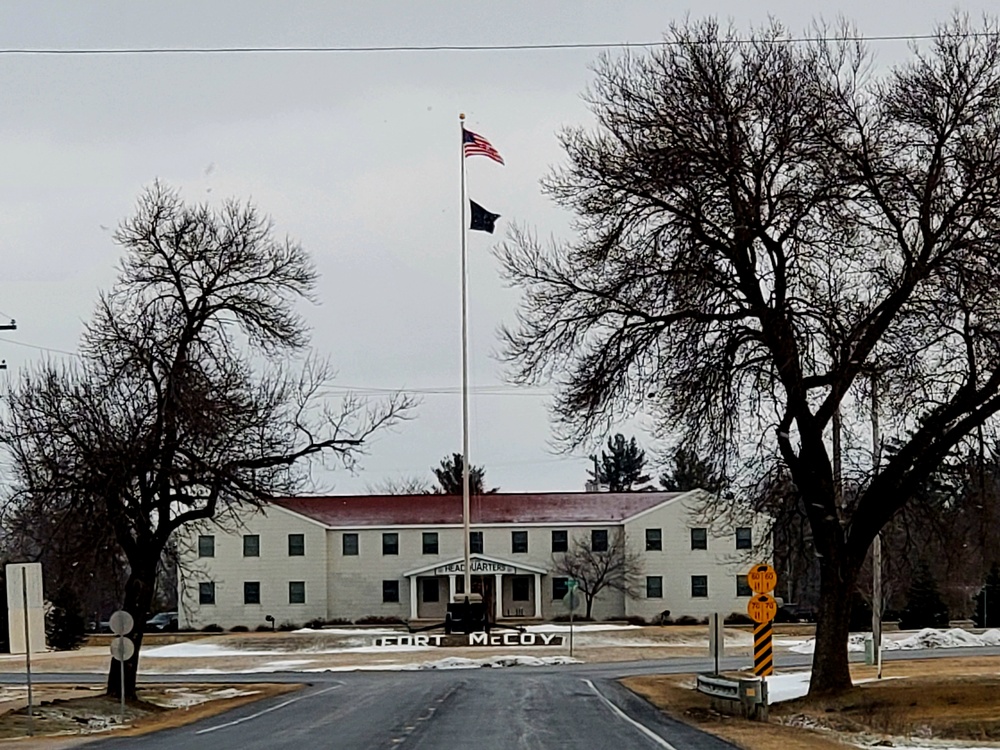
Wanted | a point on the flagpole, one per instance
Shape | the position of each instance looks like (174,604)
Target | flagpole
(465,379)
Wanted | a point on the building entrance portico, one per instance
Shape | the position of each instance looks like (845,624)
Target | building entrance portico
(509,589)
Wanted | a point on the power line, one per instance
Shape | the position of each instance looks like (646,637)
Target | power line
(39,348)
(403,48)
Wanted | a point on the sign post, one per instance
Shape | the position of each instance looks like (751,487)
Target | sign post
(571,601)
(762,608)
(716,638)
(26,629)
(122,648)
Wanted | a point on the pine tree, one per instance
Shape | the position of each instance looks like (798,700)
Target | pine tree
(988,600)
(690,472)
(65,629)
(449,476)
(924,607)
(621,466)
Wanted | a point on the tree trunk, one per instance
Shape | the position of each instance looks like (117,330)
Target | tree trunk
(831,671)
(138,600)
(590,604)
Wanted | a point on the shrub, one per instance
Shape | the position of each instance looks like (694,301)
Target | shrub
(738,618)
(239,629)
(636,620)
(213,628)
(379,620)
(576,618)
(319,623)
(686,620)
(65,629)
(262,629)
(924,608)
(663,618)
(286,627)
(783,615)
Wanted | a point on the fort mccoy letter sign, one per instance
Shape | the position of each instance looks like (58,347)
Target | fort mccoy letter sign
(503,639)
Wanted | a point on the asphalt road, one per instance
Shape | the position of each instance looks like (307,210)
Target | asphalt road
(481,709)
(530,708)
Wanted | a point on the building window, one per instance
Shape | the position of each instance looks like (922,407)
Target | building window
(296,592)
(560,540)
(206,592)
(742,587)
(251,592)
(206,545)
(654,540)
(430,543)
(476,542)
(599,540)
(390,543)
(518,541)
(390,591)
(350,545)
(520,588)
(699,586)
(699,538)
(560,587)
(296,545)
(251,545)
(431,590)
(744,538)
(654,587)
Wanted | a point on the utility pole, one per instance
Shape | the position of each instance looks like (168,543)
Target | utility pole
(12,326)
(877,543)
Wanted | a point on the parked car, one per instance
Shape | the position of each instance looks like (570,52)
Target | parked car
(162,621)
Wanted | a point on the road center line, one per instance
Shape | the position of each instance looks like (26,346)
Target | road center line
(267,710)
(622,715)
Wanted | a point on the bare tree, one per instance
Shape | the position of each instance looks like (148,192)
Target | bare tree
(401,486)
(616,566)
(766,230)
(184,406)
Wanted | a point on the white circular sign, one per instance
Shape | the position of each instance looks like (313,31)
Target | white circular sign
(122,648)
(121,622)
(572,599)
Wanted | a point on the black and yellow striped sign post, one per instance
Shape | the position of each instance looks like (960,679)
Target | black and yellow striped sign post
(762,608)
(763,655)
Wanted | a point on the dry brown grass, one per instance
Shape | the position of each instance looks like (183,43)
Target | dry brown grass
(63,710)
(956,698)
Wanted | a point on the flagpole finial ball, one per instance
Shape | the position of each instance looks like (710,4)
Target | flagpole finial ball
(461,115)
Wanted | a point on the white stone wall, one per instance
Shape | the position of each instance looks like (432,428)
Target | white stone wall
(273,569)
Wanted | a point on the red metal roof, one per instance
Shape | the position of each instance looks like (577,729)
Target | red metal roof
(435,510)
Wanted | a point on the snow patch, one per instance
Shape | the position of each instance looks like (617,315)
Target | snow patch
(185,698)
(457,662)
(928,638)
(589,627)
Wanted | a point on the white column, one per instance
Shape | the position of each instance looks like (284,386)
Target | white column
(413,597)
(537,611)
(499,595)
(451,589)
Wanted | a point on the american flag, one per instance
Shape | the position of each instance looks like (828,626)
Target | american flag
(474,144)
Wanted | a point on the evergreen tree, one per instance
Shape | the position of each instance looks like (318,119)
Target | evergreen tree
(690,472)
(621,466)
(65,629)
(449,476)
(924,607)
(988,600)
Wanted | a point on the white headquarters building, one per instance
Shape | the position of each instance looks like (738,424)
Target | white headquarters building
(308,558)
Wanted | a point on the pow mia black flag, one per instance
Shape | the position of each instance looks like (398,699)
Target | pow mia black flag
(482,220)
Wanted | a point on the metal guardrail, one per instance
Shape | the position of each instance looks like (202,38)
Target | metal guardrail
(749,695)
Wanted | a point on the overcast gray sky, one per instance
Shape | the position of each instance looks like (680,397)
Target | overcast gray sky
(354,154)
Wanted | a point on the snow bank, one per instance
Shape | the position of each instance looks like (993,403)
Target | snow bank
(185,698)
(195,650)
(456,662)
(927,638)
(787,687)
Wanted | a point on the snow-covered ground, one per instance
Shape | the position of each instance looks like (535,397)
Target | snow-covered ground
(927,638)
